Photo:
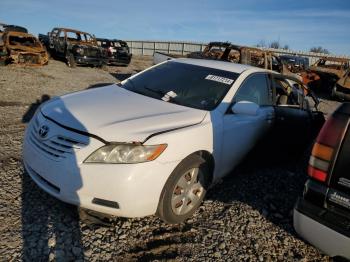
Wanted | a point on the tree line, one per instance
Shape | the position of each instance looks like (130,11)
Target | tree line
(278,45)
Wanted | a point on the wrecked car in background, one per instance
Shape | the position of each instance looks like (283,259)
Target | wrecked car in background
(74,47)
(226,51)
(21,48)
(296,63)
(12,28)
(117,51)
(333,76)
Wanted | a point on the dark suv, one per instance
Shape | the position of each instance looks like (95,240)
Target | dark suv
(73,46)
(117,51)
(322,215)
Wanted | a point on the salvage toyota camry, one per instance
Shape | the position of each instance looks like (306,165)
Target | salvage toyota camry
(153,143)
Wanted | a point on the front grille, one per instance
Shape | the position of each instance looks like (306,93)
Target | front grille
(56,147)
(91,52)
(29,59)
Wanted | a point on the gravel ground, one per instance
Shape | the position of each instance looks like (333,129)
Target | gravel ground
(247,217)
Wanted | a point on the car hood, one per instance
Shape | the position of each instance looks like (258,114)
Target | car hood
(116,114)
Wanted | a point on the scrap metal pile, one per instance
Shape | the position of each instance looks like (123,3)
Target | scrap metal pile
(329,75)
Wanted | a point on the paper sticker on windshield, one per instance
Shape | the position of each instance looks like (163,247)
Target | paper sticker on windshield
(169,95)
(220,79)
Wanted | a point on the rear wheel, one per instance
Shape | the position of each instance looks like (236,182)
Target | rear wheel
(184,190)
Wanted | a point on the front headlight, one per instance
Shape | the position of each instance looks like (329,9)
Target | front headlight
(125,154)
(79,51)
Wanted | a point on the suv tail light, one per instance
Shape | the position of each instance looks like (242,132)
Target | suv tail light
(326,145)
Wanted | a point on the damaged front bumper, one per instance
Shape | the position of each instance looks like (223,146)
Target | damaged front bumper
(87,60)
(120,59)
(29,58)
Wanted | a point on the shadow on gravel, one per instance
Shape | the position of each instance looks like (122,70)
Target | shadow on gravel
(50,228)
(33,107)
(121,76)
(269,183)
(99,85)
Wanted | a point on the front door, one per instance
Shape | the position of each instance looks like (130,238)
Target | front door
(241,131)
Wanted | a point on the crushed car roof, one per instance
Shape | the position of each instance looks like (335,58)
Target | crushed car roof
(15,33)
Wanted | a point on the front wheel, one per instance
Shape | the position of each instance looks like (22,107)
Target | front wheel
(184,190)
(71,60)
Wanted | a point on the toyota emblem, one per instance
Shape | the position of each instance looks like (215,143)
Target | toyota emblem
(43,131)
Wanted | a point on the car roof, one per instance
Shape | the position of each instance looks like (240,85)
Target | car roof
(222,65)
(71,30)
(15,33)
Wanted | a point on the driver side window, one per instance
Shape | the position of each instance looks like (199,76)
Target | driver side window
(254,89)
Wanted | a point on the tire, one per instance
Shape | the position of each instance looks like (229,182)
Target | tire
(184,191)
(71,61)
(103,67)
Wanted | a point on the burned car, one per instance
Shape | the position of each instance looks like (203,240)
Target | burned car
(21,48)
(333,76)
(226,51)
(74,47)
(117,51)
(296,63)
(12,28)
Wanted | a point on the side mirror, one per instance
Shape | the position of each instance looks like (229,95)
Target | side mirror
(245,108)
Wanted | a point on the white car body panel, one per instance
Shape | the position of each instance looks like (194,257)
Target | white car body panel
(113,108)
(117,115)
(160,57)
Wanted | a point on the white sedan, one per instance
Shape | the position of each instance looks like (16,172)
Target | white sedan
(154,143)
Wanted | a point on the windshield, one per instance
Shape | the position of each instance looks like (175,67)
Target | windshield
(184,84)
(23,41)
